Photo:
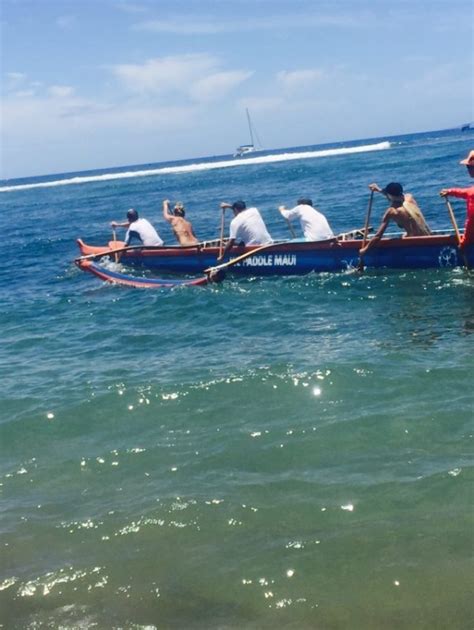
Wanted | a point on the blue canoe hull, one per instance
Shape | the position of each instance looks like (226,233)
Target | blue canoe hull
(301,257)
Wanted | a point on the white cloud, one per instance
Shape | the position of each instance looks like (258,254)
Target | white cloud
(17,84)
(131,7)
(180,26)
(16,77)
(207,25)
(15,81)
(164,74)
(262,104)
(216,86)
(196,76)
(115,133)
(296,79)
(62,114)
(23,93)
(61,91)
(343,17)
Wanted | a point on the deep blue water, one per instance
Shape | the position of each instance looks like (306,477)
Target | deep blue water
(287,452)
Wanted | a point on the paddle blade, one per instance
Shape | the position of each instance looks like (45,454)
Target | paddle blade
(216,275)
(117,245)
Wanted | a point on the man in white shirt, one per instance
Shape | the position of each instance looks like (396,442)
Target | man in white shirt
(139,229)
(247,226)
(314,224)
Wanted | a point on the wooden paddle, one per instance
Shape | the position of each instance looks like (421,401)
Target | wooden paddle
(290,227)
(456,230)
(234,261)
(114,238)
(221,244)
(288,222)
(360,266)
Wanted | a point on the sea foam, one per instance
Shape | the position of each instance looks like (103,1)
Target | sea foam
(201,166)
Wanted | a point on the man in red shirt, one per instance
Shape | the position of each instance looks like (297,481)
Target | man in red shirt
(468,195)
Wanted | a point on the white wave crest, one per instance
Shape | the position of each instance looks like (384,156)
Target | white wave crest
(201,166)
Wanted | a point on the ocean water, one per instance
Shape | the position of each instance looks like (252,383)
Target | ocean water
(267,453)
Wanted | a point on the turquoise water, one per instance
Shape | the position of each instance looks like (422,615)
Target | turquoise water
(287,452)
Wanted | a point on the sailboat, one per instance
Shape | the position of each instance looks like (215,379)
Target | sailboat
(248,148)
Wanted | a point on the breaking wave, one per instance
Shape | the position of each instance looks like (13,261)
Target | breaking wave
(201,166)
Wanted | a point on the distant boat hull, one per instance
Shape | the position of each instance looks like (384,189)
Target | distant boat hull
(244,149)
(300,257)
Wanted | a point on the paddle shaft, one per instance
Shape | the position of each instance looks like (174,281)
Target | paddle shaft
(367,218)
(114,236)
(453,220)
(290,227)
(366,228)
(221,244)
(456,230)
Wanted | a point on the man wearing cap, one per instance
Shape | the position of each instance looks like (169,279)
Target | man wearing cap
(313,223)
(247,226)
(403,211)
(468,195)
(139,229)
(183,230)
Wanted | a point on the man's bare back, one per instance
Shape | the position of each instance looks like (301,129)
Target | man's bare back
(408,217)
(403,211)
(183,230)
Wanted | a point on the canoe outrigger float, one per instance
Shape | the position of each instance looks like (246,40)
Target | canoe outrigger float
(115,277)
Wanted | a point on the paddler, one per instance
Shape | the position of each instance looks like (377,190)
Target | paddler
(468,195)
(183,230)
(403,211)
(247,227)
(313,223)
(139,229)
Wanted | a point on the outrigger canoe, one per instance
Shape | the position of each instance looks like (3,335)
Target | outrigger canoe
(295,257)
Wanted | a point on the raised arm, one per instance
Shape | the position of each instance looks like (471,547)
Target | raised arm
(462,193)
(166,210)
(284,211)
(375,188)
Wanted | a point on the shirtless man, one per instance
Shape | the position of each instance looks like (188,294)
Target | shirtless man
(183,230)
(403,211)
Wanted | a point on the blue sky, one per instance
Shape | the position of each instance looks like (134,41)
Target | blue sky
(95,83)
